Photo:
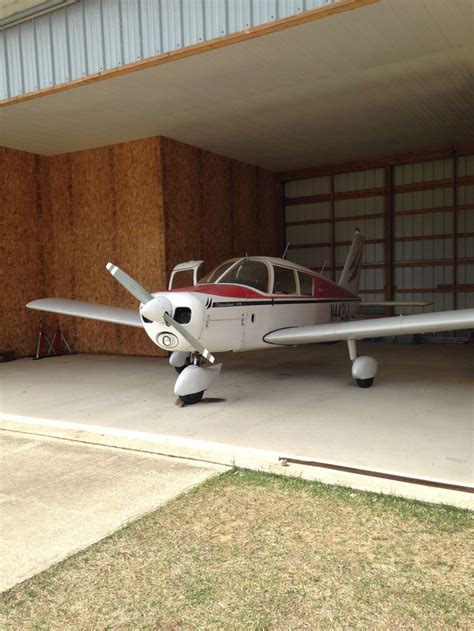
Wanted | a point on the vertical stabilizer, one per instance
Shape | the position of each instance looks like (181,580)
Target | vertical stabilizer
(351,273)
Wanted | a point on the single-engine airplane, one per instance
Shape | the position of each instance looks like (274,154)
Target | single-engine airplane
(250,303)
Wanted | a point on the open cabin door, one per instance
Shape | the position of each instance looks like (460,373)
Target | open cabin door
(189,266)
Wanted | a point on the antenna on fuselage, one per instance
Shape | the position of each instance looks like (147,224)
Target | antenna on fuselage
(286,250)
(323,267)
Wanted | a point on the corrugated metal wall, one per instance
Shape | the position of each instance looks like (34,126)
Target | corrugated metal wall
(418,220)
(91,36)
(322,215)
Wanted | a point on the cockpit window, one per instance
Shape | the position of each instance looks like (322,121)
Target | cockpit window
(306,284)
(247,272)
(285,281)
(216,272)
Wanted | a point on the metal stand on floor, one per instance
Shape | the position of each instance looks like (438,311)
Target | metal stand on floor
(56,346)
(47,348)
(41,349)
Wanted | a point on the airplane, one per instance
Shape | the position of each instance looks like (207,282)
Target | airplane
(252,303)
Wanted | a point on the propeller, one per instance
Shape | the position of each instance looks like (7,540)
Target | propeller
(155,308)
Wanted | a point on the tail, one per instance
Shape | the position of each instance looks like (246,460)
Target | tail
(351,273)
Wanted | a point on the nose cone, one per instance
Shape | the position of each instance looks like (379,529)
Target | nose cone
(155,309)
(174,303)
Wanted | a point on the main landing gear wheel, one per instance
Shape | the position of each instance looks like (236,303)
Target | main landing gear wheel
(190,399)
(365,383)
(364,368)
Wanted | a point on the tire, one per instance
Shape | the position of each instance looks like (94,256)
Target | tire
(191,399)
(365,383)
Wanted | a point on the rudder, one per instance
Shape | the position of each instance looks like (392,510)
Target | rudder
(351,273)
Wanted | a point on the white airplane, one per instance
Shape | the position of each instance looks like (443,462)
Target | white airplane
(252,303)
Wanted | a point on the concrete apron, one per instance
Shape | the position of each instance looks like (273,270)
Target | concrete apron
(243,457)
(59,497)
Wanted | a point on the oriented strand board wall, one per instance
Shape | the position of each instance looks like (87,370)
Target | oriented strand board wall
(140,234)
(182,201)
(105,205)
(144,205)
(20,249)
(216,207)
(216,211)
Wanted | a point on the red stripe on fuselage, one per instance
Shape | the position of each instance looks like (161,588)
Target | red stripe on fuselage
(323,289)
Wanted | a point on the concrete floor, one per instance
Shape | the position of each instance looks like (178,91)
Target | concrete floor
(61,496)
(417,420)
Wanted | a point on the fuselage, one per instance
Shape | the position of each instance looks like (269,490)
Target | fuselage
(235,316)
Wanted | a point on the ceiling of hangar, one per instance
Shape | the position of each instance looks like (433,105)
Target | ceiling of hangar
(385,78)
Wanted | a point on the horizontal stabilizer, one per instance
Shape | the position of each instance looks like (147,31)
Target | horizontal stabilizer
(395,303)
(374,327)
(104,313)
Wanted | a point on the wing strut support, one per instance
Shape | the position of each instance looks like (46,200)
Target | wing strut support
(352,348)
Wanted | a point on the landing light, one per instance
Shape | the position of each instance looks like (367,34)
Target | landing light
(168,340)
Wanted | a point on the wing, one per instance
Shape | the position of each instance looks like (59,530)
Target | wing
(117,315)
(377,327)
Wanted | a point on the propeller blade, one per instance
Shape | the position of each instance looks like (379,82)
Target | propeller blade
(129,284)
(196,344)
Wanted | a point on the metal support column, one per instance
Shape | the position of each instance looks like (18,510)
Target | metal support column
(388,237)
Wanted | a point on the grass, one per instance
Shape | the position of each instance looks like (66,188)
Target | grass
(254,551)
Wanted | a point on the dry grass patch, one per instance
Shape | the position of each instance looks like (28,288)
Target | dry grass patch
(247,550)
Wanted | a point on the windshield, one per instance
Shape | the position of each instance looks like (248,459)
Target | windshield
(216,272)
(247,272)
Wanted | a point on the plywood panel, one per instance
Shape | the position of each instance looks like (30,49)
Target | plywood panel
(182,201)
(105,204)
(140,238)
(93,197)
(58,238)
(58,228)
(20,273)
(216,226)
(145,205)
(215,206)
(19,211)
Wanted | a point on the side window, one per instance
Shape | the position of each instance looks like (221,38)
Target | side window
(285,282)
(306,284)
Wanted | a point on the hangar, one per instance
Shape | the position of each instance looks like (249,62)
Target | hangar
(155,133)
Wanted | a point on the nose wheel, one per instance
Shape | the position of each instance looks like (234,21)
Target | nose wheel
(195,377)
(191,399)
(364,383)
(179,369)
